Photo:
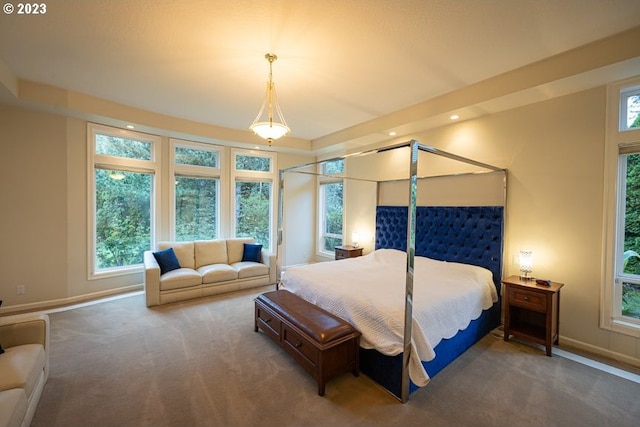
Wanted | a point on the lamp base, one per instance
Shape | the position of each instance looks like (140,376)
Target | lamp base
(525,278)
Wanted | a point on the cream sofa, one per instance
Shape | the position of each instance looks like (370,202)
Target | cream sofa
(207,267)
(24,367)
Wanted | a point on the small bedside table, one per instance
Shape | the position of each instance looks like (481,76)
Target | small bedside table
(532,311)
(347,251)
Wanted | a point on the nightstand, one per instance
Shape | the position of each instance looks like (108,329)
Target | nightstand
(347,251)
(531,311)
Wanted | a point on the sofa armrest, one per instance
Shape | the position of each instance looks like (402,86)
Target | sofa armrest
(151,279)
(270,261)
(21,329)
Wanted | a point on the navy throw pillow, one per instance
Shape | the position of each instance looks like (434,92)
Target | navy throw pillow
(252,252)
(167,260)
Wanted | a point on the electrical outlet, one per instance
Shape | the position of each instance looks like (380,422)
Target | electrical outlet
(21,289)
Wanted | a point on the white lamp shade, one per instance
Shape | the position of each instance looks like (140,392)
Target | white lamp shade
(354,238)
(526,261)
(268,130)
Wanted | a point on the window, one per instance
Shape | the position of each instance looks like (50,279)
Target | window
(196,195)
(122,198)
(620,306)
(628,260)
(253,177)
(630,108)
(331,206)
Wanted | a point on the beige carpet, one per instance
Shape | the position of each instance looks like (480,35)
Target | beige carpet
(200,363)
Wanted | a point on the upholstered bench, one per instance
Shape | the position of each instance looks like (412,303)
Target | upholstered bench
(323,344)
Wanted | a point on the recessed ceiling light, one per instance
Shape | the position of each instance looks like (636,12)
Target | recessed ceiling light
(454,117)
(392,133)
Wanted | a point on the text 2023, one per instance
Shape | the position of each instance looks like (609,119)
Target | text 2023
(31,8)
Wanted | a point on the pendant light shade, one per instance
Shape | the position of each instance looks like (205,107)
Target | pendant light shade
(265,125)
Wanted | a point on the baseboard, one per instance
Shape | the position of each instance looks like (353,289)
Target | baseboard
(579,345)
(62,302)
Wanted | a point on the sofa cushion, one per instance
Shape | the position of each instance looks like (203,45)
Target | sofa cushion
(167,260)
(217,273)
(13,407)
(183,250)
(180,278)
(247,269)
(21,367)
(210,252)
(235,248)
(252,252)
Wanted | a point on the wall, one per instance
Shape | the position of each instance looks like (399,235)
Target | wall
(33,218)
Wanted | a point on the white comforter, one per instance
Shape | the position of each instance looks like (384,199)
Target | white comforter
(369,293)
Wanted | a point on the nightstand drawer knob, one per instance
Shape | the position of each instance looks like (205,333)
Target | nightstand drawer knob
(526,298)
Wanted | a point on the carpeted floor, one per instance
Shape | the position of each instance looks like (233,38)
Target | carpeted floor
(199,363)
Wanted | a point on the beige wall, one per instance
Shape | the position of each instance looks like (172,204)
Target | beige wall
(33,217)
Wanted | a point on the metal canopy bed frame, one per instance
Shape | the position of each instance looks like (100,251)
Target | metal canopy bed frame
(403,237)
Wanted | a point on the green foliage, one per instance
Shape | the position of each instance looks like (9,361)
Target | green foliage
(631,300)
(632,214)
(253,163)
(195,157)
(253,217)
(196,210)
(123,212)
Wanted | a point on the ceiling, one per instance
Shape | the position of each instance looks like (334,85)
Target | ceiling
(342,65)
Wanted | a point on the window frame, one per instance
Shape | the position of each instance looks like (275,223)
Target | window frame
(323,180)
(242,175)
(100,161)
(617,136)
(193,171)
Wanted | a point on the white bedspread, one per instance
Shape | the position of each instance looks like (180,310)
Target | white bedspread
(369,293)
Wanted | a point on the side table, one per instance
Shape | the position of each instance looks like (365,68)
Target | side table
(532,311)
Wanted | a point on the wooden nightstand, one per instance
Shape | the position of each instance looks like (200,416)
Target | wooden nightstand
(347,251)
(532,311)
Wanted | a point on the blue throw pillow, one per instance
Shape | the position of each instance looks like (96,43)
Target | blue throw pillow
(252,252)
(167,260)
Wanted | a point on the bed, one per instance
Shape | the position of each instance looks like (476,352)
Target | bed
(395,294)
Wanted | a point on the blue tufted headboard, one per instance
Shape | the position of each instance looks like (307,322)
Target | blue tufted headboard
(467,234)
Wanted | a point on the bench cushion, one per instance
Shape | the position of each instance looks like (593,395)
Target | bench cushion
(317,323)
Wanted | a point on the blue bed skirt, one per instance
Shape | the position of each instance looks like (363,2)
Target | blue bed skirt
(387,370)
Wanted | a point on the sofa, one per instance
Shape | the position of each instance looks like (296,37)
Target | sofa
(24,366)
(205,267)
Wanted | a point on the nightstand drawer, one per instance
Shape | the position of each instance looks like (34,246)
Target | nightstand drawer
(343,252)
(528,299)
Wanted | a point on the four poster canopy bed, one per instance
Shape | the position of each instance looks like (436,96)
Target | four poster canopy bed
(429,290)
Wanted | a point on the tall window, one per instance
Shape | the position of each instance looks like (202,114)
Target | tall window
(254,174)
(621,289)
(628,270)
(196,196)
(122,198)
(331,206)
